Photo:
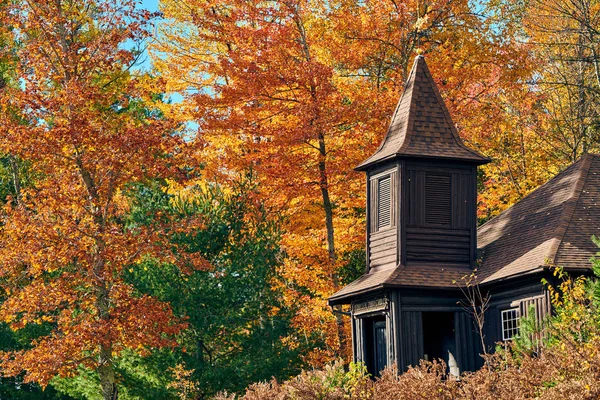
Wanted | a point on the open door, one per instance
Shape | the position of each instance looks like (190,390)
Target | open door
(439,339)
(375,344)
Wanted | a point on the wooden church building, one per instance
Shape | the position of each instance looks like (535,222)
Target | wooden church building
(422,239)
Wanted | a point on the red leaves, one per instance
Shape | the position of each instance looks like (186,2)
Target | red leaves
(89,128)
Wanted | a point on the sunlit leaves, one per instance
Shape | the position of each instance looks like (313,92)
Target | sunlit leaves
(89,128)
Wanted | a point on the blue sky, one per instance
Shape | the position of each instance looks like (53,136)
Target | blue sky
(151,5)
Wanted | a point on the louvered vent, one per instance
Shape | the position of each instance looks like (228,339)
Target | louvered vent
(384,203)
(438,200)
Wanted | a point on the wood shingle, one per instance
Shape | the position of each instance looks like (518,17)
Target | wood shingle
(421,125)
(551,226)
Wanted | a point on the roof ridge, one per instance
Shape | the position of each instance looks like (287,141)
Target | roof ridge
(569,208)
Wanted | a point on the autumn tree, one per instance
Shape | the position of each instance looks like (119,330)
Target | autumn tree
(89,127)
(266,97)
(235,319)
(565,39)
(302,91)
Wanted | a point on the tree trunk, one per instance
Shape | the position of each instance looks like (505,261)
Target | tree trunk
(107,374)
(106,370)
(327,206)
(324,185)
(16,178)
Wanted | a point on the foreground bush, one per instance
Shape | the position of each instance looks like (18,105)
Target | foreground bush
(557,374)
(558,360)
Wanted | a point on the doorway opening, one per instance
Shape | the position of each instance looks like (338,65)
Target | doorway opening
(439,339)
(376,344)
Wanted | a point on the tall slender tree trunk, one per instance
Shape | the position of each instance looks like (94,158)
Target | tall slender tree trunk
(105,370)
(16,178)
(327,206)
(324,186)
(107,374)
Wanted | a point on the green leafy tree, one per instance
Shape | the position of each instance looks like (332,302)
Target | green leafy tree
(235,318)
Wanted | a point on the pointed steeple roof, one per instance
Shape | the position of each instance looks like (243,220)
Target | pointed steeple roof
(421,125)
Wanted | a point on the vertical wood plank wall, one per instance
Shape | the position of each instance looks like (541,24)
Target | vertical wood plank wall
(541,307)
(493,316)
(412,338)
(404,326)
(396,337)
(468,343)
(451,241)
(360,340)
(382,244)
(492,328)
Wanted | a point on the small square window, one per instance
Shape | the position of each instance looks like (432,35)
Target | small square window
(510,323)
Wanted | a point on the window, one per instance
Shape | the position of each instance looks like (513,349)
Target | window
(384,202)
(438,199)
(510,323)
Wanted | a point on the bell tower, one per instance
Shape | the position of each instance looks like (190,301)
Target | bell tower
(421,185)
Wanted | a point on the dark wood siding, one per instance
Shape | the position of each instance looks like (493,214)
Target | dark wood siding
(373,316)
(441,214)
(438,245)
(412,337)
(468,343)
(383,248)
(360,340)
(539,305)
(541,308)
(492,328)
(383,219)
(510,299)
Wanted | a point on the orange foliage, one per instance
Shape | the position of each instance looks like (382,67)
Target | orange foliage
(88,128)
(302,91)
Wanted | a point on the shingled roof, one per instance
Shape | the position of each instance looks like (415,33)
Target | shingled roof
(551,226)
(421,125)
(415,276)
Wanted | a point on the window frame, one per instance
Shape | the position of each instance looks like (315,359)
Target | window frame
(373,202)
(513,331)
(378,180)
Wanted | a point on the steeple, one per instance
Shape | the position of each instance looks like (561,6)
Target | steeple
(421,126)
